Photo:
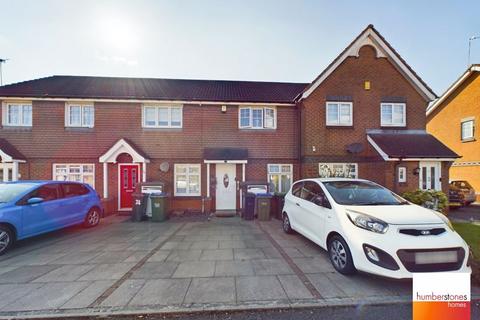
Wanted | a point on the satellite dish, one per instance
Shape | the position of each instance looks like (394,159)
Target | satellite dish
(355,148)
(164,166)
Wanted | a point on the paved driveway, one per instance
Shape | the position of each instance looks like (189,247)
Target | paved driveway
(220,264)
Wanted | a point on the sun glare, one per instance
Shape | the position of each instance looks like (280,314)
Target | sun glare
(118,33)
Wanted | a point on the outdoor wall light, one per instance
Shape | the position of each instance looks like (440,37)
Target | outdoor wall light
(224,108)
(416,171)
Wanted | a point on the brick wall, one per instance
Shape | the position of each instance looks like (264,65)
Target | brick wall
(445,124)
(328,144)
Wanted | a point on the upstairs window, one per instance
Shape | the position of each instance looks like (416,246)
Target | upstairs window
(79,115)
(257,118)
(17,114)
(162,117)
(339,113)
(393,115)
(467,128)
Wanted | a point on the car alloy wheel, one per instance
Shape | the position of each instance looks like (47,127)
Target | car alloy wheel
(5,239)
(340,255)
(286,224)
(92,218)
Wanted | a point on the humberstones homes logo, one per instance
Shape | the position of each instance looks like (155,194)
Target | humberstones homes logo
(444,296)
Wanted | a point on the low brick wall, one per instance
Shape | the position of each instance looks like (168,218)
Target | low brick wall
(109,206)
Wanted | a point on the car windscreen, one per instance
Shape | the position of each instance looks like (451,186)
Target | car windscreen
(10,191)
(362,193)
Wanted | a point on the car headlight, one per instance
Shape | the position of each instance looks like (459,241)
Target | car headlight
(367,222)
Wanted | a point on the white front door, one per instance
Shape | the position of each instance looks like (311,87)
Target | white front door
(430,175)
(226,194)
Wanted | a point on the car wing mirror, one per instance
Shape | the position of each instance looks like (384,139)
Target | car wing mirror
(34,200)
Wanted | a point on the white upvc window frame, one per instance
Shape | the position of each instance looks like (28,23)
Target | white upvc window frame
(471,129)
(22,106)
(402,174)
(339,105)
(392,106)
(157,109)
(187,174)
(83,109)
(280,173)
(332,165)
(265,119)
(81,172)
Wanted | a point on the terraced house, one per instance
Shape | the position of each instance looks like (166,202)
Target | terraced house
(364,116)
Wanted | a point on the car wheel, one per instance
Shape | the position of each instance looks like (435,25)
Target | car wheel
(93,218)
(286,224)
(6,238)
(340,255)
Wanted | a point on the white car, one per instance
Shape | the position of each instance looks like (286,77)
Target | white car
(367,227)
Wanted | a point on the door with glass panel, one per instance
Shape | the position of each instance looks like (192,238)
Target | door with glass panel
(129,177)
(430,175)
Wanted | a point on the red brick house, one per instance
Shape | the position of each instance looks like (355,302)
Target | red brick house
(364,116)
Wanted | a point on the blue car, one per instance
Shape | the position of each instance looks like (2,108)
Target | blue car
(29,208)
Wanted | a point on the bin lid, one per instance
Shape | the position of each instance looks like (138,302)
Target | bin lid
(158,194)
(264,195)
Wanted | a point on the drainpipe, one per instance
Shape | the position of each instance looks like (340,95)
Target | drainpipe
(300,142)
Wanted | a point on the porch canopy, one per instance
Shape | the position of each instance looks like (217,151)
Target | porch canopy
(110,156)
(10,158)
(409,145)
(225,155)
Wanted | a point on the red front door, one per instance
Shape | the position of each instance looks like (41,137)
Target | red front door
(129,178)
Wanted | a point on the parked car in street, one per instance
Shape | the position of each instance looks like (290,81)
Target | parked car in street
(367,227)
(456,198)
(29,208)
(466,189)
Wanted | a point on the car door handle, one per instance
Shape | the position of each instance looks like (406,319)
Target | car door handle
(297,204)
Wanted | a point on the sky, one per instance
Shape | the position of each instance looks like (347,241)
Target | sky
(262,40)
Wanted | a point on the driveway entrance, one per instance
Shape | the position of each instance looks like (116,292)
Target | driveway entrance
(225,263)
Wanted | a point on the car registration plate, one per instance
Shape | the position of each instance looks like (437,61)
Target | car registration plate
(435,257)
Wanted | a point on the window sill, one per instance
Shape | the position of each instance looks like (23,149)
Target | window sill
(339,126)
(468,140)
(162,129)
(80,129)
(257,129)
(17,128)
(394,127)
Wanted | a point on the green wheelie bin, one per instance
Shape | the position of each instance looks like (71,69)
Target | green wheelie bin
(159,206)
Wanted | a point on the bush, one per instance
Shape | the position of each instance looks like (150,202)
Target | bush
(431,199)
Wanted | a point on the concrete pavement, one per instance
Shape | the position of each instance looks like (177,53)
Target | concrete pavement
(223,264)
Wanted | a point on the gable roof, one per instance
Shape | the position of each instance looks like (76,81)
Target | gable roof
(370,36)
(83,87)
(473,68)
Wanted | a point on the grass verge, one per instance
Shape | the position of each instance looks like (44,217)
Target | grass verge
(471,234)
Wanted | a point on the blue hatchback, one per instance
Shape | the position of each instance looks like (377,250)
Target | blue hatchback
(29,208)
